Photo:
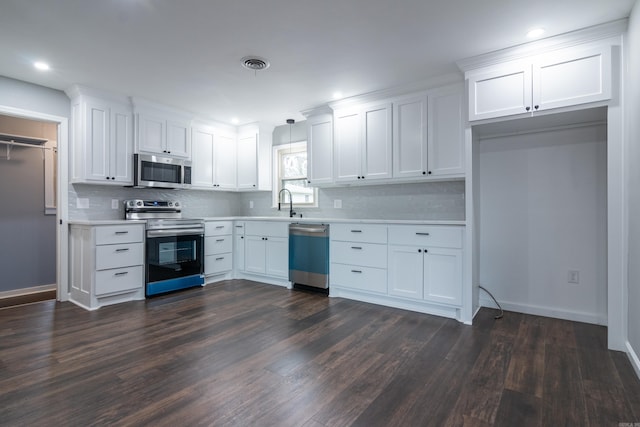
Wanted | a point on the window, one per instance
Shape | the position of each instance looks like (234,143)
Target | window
(291,174)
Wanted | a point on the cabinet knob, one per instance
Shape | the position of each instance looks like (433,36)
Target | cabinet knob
(420,250)
(429,172)
(424,172)
(536,106)
(528,108)
(425,251)
(113,177)
(169,152)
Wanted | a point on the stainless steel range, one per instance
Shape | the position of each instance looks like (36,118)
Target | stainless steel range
(174,245)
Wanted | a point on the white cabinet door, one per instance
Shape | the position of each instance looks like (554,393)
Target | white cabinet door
(410,137)
(202,163)
(178,141)
(121,140)
(502,92)
(376,148)
(572,77)
(248,162)
(446,133)
(348,136)
(97,141)
(255,254)
(320,149)
(277,257)
(405,271)
(225,162)
(238,252)
(443,275)
(152,133)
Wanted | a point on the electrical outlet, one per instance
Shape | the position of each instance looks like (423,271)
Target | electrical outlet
(574,276)
(337,204)
(82,203)
(115,204)
(250,204)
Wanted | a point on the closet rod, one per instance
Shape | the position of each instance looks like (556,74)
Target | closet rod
(20,144)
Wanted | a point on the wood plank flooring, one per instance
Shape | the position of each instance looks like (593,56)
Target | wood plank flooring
(242,353)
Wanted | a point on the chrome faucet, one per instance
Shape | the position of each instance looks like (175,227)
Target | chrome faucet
(291,212)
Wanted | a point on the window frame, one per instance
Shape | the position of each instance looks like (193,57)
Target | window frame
(278,151)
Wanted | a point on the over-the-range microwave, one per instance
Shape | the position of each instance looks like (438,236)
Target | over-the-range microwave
(161,172)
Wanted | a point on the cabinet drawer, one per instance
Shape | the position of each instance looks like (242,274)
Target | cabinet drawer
(220,263)
(217,245)
(356,277)
(430,236)
(119,280)
(217,228)
(264,228)
(359,233)
(113,234)
(365,254)
(116,256)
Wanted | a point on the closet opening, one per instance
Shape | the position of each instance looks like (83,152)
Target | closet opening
(28,213)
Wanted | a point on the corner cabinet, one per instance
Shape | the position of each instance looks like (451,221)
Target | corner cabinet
(106,264)
(564,78)
(363,140)
(102,140)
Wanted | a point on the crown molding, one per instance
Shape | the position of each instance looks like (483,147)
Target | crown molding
(574,38)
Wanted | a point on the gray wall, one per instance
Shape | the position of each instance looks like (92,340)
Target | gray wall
(27,96)
(28,244)
(632,99)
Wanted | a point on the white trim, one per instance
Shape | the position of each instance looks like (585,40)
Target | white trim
(536,310)
(633,358)
(62,216)
(27,291)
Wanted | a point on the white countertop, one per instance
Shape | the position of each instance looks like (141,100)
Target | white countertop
(285,219)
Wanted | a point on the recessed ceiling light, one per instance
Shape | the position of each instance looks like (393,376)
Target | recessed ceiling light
(42,66)
(535,33)
(235,120)
(337,95)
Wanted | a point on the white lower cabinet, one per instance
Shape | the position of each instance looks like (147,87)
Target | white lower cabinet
(266,248)
(238,246)
(106,264)
(425,262)
(218,249)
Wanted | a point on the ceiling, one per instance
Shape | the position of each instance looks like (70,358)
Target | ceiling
(187,54)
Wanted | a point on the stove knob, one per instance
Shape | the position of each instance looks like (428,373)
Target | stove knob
(170,204)
(177,204)
(139,203)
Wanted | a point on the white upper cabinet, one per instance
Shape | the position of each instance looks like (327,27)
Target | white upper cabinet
(102,139)
(214,159)
(428,139)
(162,131)
(564,78)
(248,161)
(320,149)
(446,133)
(410,137)
(363,143)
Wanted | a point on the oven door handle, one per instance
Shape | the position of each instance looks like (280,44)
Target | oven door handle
(174,232)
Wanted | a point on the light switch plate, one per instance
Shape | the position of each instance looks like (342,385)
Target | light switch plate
(114,204)
(337,204)
(250,204)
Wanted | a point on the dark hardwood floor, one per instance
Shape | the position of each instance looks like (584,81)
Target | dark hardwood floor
(243,353)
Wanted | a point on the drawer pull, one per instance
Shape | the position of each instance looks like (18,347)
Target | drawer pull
(422,234)
(220,258)
(356,247)
(219,240)
(219,227)
(356,271)
(122,250)
(122,232)
(239,226)
(122,273)
(356,231)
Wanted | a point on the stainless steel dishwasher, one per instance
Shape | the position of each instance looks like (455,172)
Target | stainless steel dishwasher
(309,255)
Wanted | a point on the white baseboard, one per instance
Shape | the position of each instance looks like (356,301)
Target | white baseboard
(27,291)
(633,358)
(575,316)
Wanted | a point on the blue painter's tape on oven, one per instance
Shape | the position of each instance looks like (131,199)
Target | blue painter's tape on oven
(156,288)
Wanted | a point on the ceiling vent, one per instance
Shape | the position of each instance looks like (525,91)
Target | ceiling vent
(255,63)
